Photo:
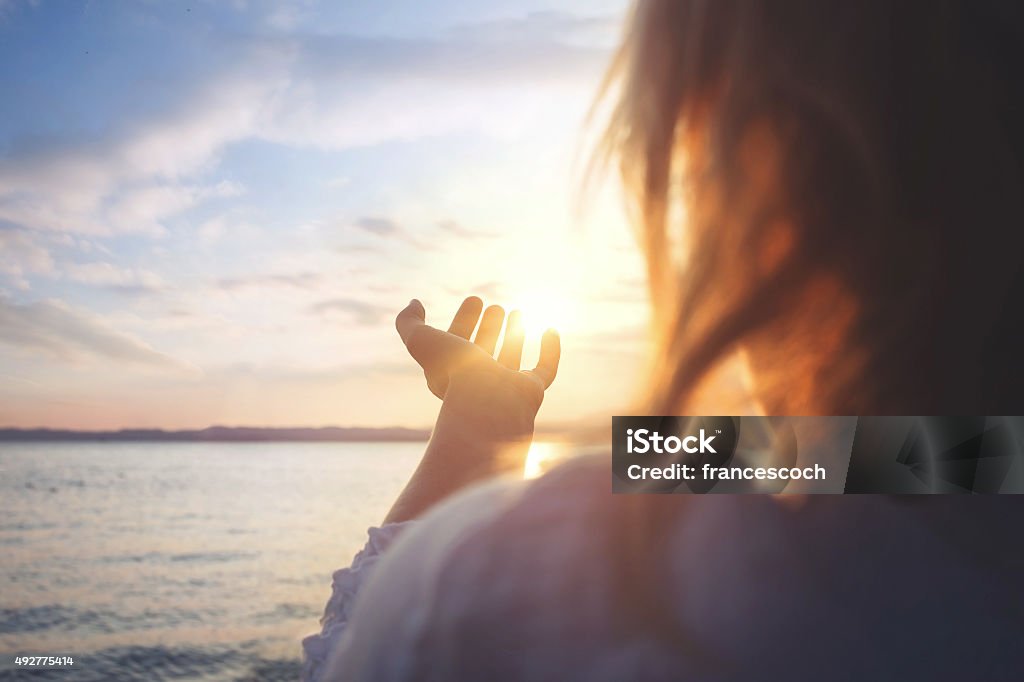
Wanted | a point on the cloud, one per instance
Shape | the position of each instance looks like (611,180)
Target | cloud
(22,256)
(143,210)
(167,145)
(301,280)
(382,227)
(486,290)
(212,231)
(386,228)
(464,232)
(550,25)
(101,211)
(306,90)
(462,57)
(109,276)
(132,178)
(286,17)
(359,248)
(54,329)
(327,374)
(361,312)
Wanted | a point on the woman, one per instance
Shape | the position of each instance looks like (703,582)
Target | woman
(850,176)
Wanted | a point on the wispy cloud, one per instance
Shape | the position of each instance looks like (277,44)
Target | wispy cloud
(299,280)
(385,228)
(322,91)
(458,230)
(110,276)
(54,329)
(486,290)
(361,312)
(22,256)
(131,179)
(381,227)
(546,26)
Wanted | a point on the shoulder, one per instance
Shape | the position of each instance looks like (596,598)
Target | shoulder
(501,521)
(527,580)
(521,570)
(490,560)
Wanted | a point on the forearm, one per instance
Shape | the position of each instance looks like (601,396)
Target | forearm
(459,454)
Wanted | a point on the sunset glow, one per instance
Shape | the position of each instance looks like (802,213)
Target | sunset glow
(234,250)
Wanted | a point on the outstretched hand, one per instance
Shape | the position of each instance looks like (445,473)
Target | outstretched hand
(489,404)
(492,392)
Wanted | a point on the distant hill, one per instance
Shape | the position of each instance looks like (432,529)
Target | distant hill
(240,434)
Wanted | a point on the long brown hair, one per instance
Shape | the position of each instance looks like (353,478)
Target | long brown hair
(836,188)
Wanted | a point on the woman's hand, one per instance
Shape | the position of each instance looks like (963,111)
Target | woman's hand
(493,397)
(486,419)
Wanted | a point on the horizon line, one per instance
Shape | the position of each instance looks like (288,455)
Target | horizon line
(218,432)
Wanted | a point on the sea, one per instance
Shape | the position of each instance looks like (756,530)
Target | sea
(181,561)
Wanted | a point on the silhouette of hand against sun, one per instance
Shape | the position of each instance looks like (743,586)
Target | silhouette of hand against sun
(492,394)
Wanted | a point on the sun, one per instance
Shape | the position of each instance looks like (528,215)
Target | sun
(543,309)
(552,293)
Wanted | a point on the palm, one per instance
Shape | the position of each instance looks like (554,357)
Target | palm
(452,355)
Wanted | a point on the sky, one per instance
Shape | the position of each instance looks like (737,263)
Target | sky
(210,212)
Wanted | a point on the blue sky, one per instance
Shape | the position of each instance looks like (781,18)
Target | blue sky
(211,211)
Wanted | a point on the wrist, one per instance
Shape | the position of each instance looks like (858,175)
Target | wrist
(467,455)
(482,408)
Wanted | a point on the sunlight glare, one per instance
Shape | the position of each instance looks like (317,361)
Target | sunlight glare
(543,456)
(544,309)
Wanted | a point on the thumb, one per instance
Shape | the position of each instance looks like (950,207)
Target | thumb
(412,317)
(427,346)
(432,348)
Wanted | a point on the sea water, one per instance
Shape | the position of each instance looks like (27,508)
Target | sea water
(200,561)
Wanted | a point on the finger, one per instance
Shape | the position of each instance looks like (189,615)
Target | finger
(412,317)
(490,328)
(512,345)
(466,318)
(428,346)
(550,352)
